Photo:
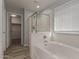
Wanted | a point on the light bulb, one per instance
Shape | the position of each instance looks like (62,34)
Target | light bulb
(38,6)
(13,15)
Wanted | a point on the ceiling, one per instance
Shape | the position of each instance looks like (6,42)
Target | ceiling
(31,4)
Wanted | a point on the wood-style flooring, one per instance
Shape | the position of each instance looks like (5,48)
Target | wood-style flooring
(17,52)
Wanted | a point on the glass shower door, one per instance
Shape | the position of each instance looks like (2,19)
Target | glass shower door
(43,23)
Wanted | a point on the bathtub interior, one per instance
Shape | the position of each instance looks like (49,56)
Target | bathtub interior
(47,50)
(62,51)
(43,54)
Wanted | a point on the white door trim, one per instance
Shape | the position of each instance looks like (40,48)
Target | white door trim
(22,25)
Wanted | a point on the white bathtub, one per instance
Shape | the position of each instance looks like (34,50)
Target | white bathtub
(55,50)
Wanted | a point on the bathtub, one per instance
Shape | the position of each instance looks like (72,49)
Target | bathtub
(55,50)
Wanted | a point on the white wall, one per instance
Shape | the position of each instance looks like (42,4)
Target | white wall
(8,31)
(27,14)
(4,27)
(1,34)
(67,19)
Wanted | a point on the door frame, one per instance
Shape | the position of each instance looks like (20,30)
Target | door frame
(9,13)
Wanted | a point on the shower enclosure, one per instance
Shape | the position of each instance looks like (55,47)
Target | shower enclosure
(39,22)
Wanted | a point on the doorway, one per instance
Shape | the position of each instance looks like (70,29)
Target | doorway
(15,30)
(16,48)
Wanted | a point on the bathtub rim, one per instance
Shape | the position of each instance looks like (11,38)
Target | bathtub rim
(58,43)
(65,45)
(49,53)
